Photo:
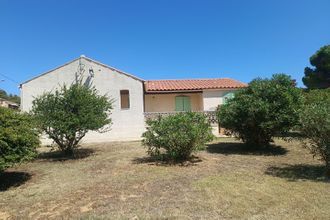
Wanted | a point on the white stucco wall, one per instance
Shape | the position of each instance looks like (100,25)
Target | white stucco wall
(127,124)
(213,98)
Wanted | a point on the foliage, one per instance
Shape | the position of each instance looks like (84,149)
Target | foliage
(316,96)
(9,97)
(267,107)
(319,76)
(315,125)
(18,138)
(69,113)
(179,135)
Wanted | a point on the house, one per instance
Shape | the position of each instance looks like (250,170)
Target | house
(8,104)
(134,99)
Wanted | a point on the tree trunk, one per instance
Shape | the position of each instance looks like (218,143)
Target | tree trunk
(69,151)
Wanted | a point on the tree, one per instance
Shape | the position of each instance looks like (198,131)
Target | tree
(18,138)
(267,107)
(179,135)
(319,76)
(69,113)
(315,125)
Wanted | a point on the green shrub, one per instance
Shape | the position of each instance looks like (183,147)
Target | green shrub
(315,125)
(18,138)
(312,96)
(69,113)
(176,136)
(267,107)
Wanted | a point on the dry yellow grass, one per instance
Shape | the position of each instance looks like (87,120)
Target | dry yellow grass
(116,180)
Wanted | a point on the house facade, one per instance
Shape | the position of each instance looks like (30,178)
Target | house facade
(135,100)
(188,95)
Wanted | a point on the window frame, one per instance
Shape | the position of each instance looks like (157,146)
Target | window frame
(121,95)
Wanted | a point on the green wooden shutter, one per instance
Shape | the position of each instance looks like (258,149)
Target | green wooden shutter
(178,103)
(182,103)
(186,104)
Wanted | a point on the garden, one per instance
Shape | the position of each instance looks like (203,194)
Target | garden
(275,162)
(118,180)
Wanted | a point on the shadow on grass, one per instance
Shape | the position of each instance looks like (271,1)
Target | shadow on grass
(79,153)
(228,148)
(192,161)
(299,172)
(290,134)
(13,179)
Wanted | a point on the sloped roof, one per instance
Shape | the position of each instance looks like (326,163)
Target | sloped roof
(90,60)
(114,69)
(192,84)
(166,85)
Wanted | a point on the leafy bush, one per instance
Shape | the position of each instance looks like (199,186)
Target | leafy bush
(177,136)
(315,125)
(18,138)
(312,96)
(267,107)
(69,113)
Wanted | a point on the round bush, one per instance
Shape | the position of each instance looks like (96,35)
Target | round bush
(315,125)
(18,138)
(68,113)
(177,136)
(267,107)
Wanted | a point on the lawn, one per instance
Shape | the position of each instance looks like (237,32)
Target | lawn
(117,180)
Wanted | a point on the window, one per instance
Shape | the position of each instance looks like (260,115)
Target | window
(124,99)
(182,103)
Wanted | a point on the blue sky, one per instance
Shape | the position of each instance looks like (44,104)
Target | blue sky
(163,39)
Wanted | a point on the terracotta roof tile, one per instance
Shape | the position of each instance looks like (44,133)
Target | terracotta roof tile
(192,84)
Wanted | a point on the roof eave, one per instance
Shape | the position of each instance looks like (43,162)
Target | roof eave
(114,69)
(88,59)
(49,71)
(191,90)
